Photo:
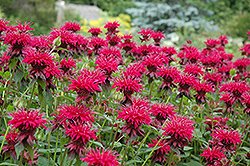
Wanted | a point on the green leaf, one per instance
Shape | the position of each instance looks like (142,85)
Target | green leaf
(193,163)
(5,163)
(232,72)
(98,144)
(31,151)
(57,41)
(48,96)
(41,83)
(132,162)
(63,49)
(19,148)
(7,75)
(44,161)
(18,75)
(12,63)
(186,148)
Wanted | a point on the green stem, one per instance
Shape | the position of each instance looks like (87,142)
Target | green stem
(64,155)
(4,138)
(143,141)
(49,145)
(239,161)
(32,93)
(126,150)
(71,162)
(169,161)
(180,106)
(21,159)
(115,136)
(233,119)
(152,151)
(7,94)
(151,89)
(57,137)
(99,132)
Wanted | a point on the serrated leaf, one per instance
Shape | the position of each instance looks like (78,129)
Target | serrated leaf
(98,144)
(18,75)
(19,148)
(133,161)
(5,163)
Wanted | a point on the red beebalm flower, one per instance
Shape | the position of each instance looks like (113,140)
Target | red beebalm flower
(201,88)
(134,116)
(27,122)
(236,89)
(225,69)
(153,62)
(159,154)
(169,51)
(3,25)
(142,51)
(212,43)
(85,85)
(95,31)
(112,27)
(11,139)
(75,113)
(67,64)
(189,54)
(101,158)
(218,122)
(228,100)
(113,40)
(135,70)
(96,44)
(111,52)
(50,72)
(180,130)
(185,82)
(241,64)
(127,44)
(38,61)
(4,62)
(169,74)
(245,50)
(226,139)
(107,64)
(223,40)
(80,135)
(193,69)
(71,26)
(25,27)
(127,85)
(162,111)
(246,101)
(213,156)
(213,78)
(41,43)
(146,34)
(213,60)
(157,36)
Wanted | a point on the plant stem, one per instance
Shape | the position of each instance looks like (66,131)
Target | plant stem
(152,151)
(115,136)
(180,106)
(169,161)
(126,150)
(49,145)
(151,89)
(4,138)
(144,139)
(233,119)
(64,154)
(32,93)
(57,137)
(71,162)
(7,94)
(21,159)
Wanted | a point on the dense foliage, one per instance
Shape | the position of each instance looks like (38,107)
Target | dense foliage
(69,99)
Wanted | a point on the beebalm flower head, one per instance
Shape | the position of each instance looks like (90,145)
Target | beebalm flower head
(71,26)
(241,64)
(168,50)
(71,113)
(213,78)
(193,69)
(100,157)
(180,129)
(146,34)
(113,40)
(67,64)
(246,101)
(169,74)
(245,50)
(24,27)
(11,139)
(95,31)
(112,27)
(202,88)
(41,43)
(27,120)
(3,25)
(107,64)
(213,155)
(226,139)
(212,43)
(135,70)
(159,155)
(162,111)
(127,85)
(223,40)
(157,36)
(134,115)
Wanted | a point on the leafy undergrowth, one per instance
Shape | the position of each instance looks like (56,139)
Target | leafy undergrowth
(68,99)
